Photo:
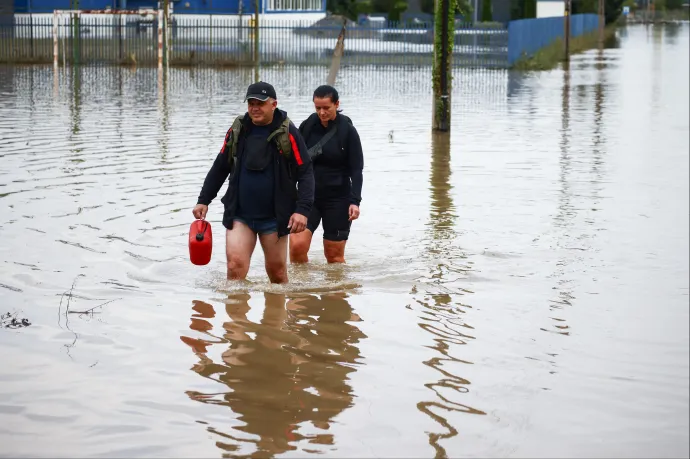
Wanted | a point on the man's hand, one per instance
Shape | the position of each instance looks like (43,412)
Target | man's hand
(354,212)
(297,223)
(199,211)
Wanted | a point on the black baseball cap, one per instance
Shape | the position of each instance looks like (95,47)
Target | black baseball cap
(260,91)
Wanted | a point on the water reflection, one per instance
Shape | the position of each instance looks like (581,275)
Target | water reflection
(574,248)
(671,32)
(564,217)
(163,113)
(7,83)
(516,82)
(287,371)
(441,311)
(75,102)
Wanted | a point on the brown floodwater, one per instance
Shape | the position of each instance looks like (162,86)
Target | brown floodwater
(517,288)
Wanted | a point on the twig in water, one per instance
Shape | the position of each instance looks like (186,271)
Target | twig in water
(91,310)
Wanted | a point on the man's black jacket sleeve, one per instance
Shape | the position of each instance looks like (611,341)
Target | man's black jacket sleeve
(305,172)
(216,176)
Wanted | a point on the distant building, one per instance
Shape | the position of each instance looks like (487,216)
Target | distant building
(550,8)
(294,9)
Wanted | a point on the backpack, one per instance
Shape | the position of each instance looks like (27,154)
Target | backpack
(280,136)
(343,129)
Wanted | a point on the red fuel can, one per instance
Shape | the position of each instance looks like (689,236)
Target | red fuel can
(200,242)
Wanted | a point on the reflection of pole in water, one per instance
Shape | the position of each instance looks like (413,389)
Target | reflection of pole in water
(163,112)
(442,215)
(441,313)
(598,120)
(598,140)
(289,369)
(566,212)
(75,106)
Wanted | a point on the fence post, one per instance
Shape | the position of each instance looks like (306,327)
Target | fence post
(55,40)
(160,38)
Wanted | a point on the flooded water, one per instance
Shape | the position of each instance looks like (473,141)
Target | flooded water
(519,288)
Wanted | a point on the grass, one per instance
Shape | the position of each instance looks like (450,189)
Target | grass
(552,55)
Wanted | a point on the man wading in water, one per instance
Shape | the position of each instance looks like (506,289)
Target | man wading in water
(266,158)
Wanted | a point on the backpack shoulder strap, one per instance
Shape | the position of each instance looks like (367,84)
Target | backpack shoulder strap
(282,138)
(343,130)
(309,124)
(231,139)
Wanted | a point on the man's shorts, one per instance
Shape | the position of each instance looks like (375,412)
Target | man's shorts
(261,227)
(334,212)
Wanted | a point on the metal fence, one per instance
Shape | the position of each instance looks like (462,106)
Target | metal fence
(527,36)
(229,40)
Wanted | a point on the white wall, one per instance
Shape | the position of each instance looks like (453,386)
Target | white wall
(549,8)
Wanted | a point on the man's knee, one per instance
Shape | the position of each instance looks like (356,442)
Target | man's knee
(237,266)
(277,271)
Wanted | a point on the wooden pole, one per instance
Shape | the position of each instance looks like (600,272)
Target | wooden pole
(443,31)
(256,40)
(566,33)
(602,20)
(337,54)
(76,29)
(165,33)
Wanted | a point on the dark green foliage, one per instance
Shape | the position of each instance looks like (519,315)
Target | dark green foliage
(487,14)
(348,8)
(613,10)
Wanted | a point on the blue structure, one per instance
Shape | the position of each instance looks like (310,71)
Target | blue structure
(179,6)
(527,36)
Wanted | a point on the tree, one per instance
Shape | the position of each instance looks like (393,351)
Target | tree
(348,8)
(585,6)
(487,13)
(614,9)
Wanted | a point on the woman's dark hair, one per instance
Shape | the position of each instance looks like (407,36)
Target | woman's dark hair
(326,91)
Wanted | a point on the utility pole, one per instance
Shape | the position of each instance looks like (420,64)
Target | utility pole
(256,40)
(165,34)
(76,35)
(568,7)
(443,46)
(602,20)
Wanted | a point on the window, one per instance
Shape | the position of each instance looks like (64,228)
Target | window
(293,5)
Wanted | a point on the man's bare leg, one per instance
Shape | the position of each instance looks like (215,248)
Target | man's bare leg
(334,251)
(275,253)
(239,246)
(299,246)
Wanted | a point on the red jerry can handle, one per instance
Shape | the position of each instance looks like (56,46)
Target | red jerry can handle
(200,242)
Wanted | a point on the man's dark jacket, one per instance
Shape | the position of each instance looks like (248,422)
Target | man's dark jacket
(289,172)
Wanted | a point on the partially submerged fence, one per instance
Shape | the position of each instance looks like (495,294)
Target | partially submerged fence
(112,38)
